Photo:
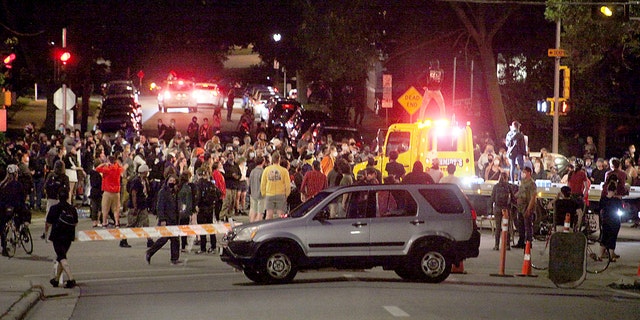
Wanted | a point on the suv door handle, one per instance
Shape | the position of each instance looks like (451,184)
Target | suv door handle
(416,222)
(359,224)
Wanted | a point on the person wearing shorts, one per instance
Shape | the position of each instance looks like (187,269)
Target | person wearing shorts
(275,185)
(111,172)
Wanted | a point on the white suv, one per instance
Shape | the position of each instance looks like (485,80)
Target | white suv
(418,231)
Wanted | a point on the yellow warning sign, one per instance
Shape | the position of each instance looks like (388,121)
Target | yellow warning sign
(411,100)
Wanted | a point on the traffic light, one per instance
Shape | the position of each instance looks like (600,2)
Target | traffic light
(548,106)
(610,11)
(64,57)
(566,81)
(8,60)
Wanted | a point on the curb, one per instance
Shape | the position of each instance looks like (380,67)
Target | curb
(21,307)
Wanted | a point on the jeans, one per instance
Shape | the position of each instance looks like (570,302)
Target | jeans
(36,196)
(175,247)
(519,160)
(525,227)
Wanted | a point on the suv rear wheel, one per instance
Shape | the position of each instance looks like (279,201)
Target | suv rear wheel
(277,264)
(430,264)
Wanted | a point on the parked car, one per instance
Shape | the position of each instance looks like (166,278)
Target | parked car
(121,88)
(208,95)
(338,131)
(115,116)
(280,110)
(177,94)
(419,231)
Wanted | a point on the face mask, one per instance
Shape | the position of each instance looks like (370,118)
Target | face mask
(172,185)
(334,154)
(252,154)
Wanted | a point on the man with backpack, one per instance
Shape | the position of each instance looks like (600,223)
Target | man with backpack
(140,198)
(62,221)
(501,198)
(209,194)
(56,180)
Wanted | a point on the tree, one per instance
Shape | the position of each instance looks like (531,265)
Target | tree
(483,24)
(605,57)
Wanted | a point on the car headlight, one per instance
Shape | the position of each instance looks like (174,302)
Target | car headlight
(246,234)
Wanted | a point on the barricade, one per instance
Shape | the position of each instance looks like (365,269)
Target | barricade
(526,264)
(153,232)
(503,247)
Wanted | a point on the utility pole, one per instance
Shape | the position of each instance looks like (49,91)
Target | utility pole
(556,92)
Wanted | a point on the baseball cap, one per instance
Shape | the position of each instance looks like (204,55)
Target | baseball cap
(143,168)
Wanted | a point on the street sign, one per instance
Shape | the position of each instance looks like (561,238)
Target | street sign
(387,100)
(58,99)
(60,114)
(556,53)
(411,100)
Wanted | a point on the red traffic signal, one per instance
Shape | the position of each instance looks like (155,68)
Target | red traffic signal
(9,59)
(65,56)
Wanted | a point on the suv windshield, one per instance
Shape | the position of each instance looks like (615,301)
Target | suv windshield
(303,208)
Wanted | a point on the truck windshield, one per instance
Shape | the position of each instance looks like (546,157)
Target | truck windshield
(398,141)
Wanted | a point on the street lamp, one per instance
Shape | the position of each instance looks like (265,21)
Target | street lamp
(277,37)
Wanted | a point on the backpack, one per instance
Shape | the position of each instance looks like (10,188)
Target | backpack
(209,194)
(53,186)
(67,217)
(130,183)
(503,195)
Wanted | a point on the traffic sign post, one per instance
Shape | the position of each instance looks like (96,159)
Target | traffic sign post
(64,99)
(556,53)
(387,100)
(411,101)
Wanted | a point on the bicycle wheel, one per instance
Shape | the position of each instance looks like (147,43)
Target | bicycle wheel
(595,262)
(540,255)
(26,240)
(12,239)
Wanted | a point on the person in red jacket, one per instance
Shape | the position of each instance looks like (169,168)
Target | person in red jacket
(218,179)
(111,172)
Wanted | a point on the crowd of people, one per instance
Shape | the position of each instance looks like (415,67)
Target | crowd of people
(197,178)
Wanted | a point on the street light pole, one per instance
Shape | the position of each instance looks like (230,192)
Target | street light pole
(556,92)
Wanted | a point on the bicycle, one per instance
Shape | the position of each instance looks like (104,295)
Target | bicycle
(590,228)
(17,235)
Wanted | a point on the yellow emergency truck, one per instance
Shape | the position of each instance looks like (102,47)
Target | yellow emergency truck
(425,141)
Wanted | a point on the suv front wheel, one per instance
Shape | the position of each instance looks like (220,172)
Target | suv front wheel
(277,264)
(430,264)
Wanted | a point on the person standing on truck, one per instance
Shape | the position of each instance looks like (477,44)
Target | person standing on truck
(435,76)
(516,149)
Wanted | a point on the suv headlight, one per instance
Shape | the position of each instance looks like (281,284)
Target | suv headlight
(246,234)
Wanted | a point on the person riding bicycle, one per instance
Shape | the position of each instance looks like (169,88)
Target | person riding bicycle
(13,200)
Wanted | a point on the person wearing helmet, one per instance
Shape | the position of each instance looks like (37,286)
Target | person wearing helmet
(13,198)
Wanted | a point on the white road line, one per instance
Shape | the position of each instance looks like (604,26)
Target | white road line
(395,311)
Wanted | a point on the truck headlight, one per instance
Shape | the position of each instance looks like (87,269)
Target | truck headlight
(246,234)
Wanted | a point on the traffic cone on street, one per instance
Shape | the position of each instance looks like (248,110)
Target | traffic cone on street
(458,268)
(526,264)
(567,223)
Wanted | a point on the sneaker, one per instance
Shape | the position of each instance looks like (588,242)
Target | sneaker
(200,252)
(176,263)
(149,243)
(496,248)
(147,257)
(124,244)
(70,284)
(211,250)
(54,282)
(42,236)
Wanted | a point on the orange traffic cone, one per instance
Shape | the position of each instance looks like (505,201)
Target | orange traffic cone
(567,223)
(458,268)
(526,264)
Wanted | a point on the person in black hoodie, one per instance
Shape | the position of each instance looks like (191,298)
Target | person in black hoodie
(167,208)
(62,219)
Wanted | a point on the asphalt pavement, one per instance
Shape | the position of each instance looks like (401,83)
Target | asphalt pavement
(18,294)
